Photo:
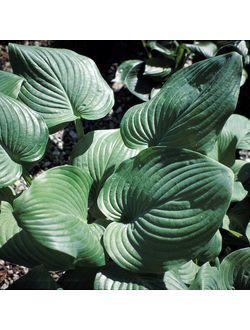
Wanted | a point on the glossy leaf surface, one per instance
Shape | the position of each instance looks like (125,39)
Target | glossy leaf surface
(235,270)
(10,84)
(19,247)
(60,84)
(54,212)
(23,138)
(166,203)
(208,278)
(190,109)
(113,277)
(240,127)
(99,153)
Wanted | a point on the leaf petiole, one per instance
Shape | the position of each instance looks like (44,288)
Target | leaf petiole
(79,128)
(27,177)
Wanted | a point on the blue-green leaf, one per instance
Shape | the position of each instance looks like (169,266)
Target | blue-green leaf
(190,109)
(54,212)
(60,84)
(165,204)
(235,270)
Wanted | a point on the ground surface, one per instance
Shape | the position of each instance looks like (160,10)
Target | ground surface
(107,55)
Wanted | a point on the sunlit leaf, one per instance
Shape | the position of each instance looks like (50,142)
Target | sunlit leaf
(166,203)
(60,84)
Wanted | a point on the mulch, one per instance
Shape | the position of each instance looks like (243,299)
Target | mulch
(108,55)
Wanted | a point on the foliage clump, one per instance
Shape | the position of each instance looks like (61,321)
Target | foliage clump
(159,203)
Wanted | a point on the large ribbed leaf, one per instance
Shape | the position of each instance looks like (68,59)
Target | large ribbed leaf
(167,203)
(19,247)
(113,277)
(191,108)
(239,216)
(235,270)
(54,212)
(10,84)
(208,278)
(241,171)
(60,84)
(23,138)
(212,249)
(240,127)
(99,153)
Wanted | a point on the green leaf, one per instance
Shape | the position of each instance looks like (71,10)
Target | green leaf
(173,280)
(224,148)
(235,270)
(139,84)
(54,212)
(166,203)
(157,46)
(212,249)
(158,68)
(241,171)
(99,153)
(231,237)
(190,109)
(240,127)
(123,70)
(132,74)
(10,84)
(208,278)
(188,271)
(203,49)
(113,277)
(80,278)
(60,84)
(239,216)
(23,138)
(36,279)
(7,194)
(19,247)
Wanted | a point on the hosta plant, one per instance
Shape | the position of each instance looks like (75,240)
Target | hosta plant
(159,203)
(145,78)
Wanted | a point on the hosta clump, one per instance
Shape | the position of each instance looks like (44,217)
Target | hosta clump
(146,206)
(145,78)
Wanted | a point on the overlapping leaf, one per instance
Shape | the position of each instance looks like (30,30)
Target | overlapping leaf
(240,127)
(17,246)
(166,203)
(60,84)
(99,153)
(10,84)
(36,279)
(54,212)
(191,108)
(212,249)
(208,278)
(113,277)
(23,138)
(235,270)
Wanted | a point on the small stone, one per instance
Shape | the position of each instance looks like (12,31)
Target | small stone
(60,145)
(73,134)
(56,152)
(4,286)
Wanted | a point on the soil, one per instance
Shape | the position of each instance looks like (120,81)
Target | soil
(108,55)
